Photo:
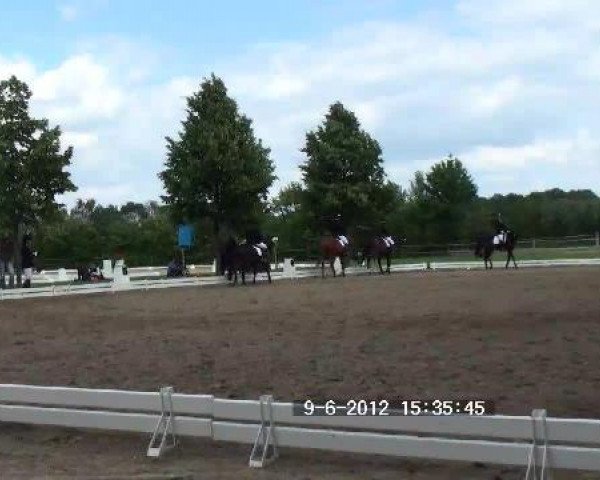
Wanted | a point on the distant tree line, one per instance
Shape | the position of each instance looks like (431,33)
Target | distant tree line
(217,175)
(145,234)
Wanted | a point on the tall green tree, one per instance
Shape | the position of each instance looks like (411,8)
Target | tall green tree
(344,173)
(217,169)
(32,164)
(440,198)
(289,200)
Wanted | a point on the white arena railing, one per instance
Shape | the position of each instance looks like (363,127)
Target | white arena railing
(299,270)
(528,442)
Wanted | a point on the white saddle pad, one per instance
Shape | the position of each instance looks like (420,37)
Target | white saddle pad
(388,241)
(343,240)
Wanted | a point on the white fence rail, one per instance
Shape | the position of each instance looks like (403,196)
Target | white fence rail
(300,270)
(572,444)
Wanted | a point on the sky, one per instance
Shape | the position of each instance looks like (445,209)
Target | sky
(511,87)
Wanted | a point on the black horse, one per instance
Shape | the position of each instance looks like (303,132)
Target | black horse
(485,247)
(378,248)
(244,258)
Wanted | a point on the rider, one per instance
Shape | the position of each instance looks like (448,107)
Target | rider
(255,238)
(500,228)
(338,230)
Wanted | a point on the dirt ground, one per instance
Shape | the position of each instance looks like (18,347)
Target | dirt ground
(525,339)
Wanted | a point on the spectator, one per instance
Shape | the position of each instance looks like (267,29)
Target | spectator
(6,261)
(27,261)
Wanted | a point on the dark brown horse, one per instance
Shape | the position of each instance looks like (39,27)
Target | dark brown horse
(378,248)
(331,248)
(243,258)
(485,247)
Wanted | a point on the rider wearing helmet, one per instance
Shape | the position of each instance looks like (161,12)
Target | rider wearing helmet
(338,230)
(255,238)
(500,228)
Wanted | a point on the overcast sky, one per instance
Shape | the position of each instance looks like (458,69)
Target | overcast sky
(509,86)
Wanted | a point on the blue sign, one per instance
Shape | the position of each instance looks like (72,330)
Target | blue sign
(185,236)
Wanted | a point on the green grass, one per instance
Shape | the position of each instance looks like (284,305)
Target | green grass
(520,254)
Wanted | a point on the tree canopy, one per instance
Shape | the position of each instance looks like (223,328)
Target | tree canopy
(344,173)
(439,198)
(32,163)
(217,169)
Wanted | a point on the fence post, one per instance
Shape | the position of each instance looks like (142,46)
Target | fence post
(533,243)
(598,239)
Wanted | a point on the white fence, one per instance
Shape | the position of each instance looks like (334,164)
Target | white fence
(300,270)
(68,275)
(560,443)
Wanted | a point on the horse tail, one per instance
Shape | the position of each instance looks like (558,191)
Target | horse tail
(512,239)
(479,245)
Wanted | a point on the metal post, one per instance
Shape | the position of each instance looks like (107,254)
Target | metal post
(266,441)
(165,427)
(538,464)
(275,244)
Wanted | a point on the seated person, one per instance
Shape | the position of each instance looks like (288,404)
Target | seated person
(174,269)
(95,273)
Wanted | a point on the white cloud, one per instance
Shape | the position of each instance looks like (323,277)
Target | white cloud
(79,89)
(582,149)
(80,140)
(68,12)
(489,99)
(507,85)
(104,194)
(531,12)
(21,68)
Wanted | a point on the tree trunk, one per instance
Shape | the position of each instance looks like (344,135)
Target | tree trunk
(17,241)
(217,236)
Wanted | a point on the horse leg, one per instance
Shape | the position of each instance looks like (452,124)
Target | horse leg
(343,264)
(331,264)
(487,259)
(512,255)
(269,272)
(379,263)
(254,271)
(244,275)
(389,263)
(323,268)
